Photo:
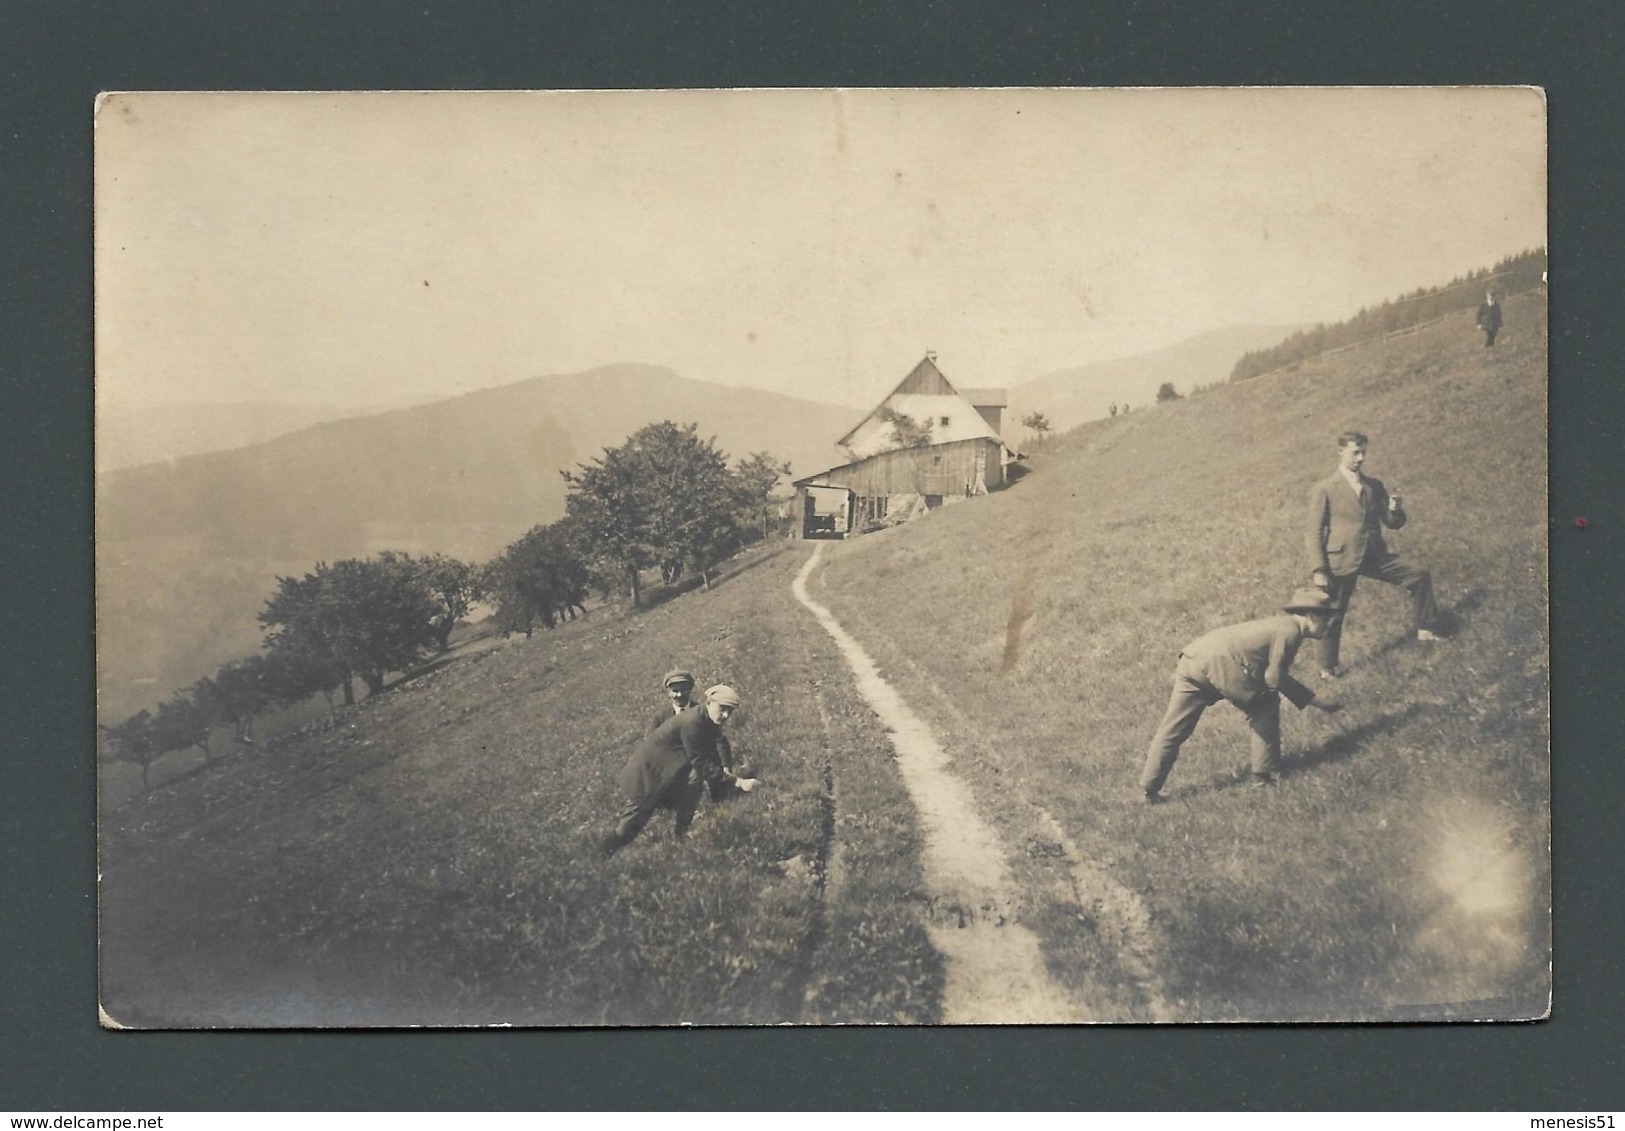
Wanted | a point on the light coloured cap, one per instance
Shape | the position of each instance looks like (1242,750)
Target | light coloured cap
(1310,601)
(722,693)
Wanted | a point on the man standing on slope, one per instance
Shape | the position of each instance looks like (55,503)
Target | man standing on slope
(1347,511)
(1489,317)
(671,767)
(1248,664)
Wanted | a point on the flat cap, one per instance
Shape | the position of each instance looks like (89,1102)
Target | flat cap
(722,693)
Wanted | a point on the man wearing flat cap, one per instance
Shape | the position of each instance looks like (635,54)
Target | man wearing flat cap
(1248,664)
(671,767)
(679,687)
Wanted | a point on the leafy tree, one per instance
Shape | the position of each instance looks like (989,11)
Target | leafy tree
(361,618)
(664,495)
(133,740)
(1166,392)
(295,670)
(454,586)
(1038,424)
(610,501)
(237,694)
(185,720)
(694,499)
(576,572)
(540,577)
(906,431)
(756,476)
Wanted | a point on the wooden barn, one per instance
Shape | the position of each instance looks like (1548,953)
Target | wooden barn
(891,480)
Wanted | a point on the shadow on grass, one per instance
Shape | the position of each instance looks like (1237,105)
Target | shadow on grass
(654,597)
(1448,622)
(1335,749)
(434,665)
(1452,619)
(1347,741)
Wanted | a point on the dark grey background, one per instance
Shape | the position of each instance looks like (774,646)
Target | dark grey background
(56,54)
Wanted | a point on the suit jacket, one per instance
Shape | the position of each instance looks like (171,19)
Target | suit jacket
(666,714)
(1345,533)
(663,716)
(1241,660)
(1489,316)
(688,741)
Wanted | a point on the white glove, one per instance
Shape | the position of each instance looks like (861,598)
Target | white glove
(745,785)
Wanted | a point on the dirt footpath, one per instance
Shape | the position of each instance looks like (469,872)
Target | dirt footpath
(995,967)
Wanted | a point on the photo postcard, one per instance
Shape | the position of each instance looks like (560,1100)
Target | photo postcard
(822,557)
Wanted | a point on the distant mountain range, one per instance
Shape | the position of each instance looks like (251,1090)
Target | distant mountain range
(1069,397)
(465,475)
(130,436)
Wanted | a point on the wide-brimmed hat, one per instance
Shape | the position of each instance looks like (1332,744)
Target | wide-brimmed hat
(675,677)
(722,693)
(1310,601)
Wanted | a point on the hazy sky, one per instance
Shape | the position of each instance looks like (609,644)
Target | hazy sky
(360,247)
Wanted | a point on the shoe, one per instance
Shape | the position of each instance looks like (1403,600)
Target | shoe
(1329,673)
(1154,797)
(1261,781)
(610,845)
(1428,637)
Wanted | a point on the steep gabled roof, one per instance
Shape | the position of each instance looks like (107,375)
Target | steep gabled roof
(925,378)
(986,398)
(923,381)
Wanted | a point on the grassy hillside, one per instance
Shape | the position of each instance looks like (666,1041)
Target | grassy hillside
(1402,862)
(432,859)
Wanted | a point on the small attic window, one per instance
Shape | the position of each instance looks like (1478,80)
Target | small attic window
(944,422)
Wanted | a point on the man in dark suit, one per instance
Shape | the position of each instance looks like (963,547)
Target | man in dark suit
(1489,317)
(1248,664)
(1347,512)
(671,767)
(679,688)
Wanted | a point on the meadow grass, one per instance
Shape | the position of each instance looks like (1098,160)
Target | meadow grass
(433,860)
(1401,866)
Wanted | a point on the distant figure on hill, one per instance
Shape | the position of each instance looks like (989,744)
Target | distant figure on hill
(1248,664)
(1347,511)
(1489,317)
(679,687)
(671,766)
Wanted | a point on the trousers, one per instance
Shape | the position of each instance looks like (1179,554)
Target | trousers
(1193,694)
(683,797)
(1391,570)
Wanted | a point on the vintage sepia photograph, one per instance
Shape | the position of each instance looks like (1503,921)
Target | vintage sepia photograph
(1011,556)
